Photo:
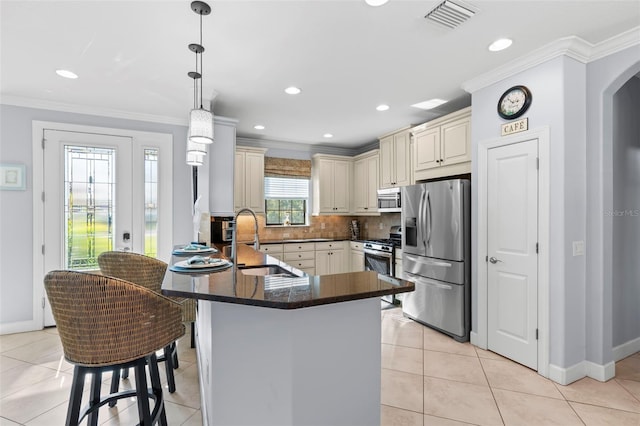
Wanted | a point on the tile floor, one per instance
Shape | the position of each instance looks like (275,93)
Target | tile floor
(427,379)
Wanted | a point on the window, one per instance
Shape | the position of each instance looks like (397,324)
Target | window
(286,198)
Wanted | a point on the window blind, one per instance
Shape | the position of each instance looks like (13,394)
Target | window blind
(286,188)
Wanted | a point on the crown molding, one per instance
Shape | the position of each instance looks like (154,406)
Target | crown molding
(103,112)
(573,47)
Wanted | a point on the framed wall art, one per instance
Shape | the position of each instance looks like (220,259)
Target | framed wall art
(13,177)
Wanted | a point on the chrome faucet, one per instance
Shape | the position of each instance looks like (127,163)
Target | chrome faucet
(234,239)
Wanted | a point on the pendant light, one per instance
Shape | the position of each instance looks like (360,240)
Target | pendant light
(200,120)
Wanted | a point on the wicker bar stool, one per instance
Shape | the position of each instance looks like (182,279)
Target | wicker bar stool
(106,324)
(147,272)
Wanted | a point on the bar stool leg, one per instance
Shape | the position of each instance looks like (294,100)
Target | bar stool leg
(168,366)
(94,397)
(156,387)
(75,399)
(115,384)
(142,394)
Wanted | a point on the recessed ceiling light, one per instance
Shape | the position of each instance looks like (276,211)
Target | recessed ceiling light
(382,107)
(500,44)
(258,127)
(375,3)
(292,90)
(431,103)
(66,74)
(327,135)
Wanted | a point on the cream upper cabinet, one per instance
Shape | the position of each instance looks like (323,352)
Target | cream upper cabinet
(395,159)
(248,187)
(365,182)
(331,180)
(442,147)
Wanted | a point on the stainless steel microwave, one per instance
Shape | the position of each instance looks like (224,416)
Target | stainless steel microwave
(389,200)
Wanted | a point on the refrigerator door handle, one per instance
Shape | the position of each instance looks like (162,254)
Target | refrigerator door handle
(421,219)
(427,262)
(429,220)
(420,279)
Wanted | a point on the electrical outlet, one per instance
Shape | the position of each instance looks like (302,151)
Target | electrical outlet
(322,225)
(578,248)
(366,225)
(286,235)
(381,225)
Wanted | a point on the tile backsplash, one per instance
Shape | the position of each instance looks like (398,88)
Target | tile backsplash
(337,227)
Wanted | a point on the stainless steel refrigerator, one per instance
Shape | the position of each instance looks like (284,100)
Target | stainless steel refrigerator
(436,254)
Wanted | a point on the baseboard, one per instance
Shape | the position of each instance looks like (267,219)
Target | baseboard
(565,376)
(599,372)
(474,340)
(19,327)
(624,350)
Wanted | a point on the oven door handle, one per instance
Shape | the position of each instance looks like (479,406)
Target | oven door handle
(378,253)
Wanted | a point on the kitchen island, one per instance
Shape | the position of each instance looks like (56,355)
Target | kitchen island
(287,348)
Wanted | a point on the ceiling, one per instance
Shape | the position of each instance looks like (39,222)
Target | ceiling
(347,57)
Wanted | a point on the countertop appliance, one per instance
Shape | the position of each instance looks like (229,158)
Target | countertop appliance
(436,255)
(379,256)
(389,200)
(221,229)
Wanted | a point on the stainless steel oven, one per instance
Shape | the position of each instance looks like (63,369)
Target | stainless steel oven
(379,257)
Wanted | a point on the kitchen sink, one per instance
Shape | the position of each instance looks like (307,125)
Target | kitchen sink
(266,271)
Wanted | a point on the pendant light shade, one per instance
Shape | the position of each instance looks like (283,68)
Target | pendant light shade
(196,148)
(195,159)
(201,126)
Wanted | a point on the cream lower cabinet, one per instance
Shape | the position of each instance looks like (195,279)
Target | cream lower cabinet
(248,185)
(274,250)
(442,147)
(366,183)
(357,256)
(331,181)
(395,159)
(332,257)
(301,256)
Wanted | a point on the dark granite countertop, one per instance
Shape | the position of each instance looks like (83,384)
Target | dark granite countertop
(233,286)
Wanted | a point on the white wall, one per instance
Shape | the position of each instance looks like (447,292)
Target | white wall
(626,213)
(16,207)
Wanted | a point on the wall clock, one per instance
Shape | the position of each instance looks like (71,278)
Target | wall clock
(514,102)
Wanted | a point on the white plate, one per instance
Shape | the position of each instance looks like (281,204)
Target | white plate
(196,251)
(213,263)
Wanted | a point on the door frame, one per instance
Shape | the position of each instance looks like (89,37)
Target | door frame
(480,337)
(165,192)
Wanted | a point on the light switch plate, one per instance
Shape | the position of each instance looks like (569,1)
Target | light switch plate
(322,225)
(578,248)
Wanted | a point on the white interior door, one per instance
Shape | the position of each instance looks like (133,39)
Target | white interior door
(512,236)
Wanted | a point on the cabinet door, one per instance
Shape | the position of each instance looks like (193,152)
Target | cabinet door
(338,261)
(427,149)
(341,184)
(357,261)
(402,159)
(323,262)
(372,185)
(361,185)
(326,178)
(456,142)
(254,181)
(238,181)
(387,162)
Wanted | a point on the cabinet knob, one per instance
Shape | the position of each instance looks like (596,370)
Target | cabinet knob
(441,160)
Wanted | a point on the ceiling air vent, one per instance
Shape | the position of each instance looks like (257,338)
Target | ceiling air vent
(450,14)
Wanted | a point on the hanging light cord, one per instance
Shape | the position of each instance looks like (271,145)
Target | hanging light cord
(201,67)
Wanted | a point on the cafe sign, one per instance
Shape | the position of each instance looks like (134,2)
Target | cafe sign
(515,127)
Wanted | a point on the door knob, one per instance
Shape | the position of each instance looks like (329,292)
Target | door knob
(494,260)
